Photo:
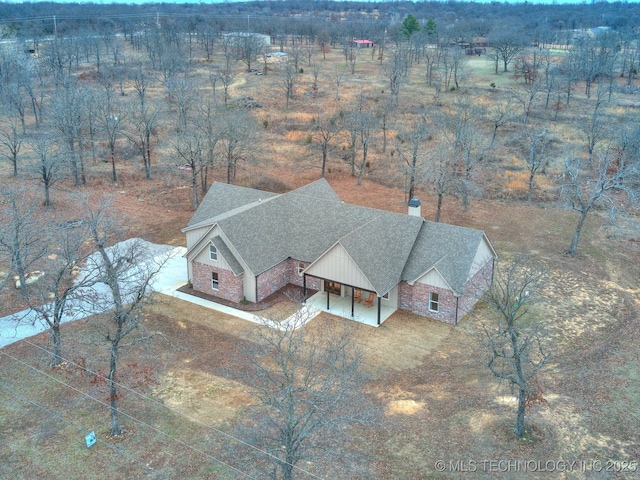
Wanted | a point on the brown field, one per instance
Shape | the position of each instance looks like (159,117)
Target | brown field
(439,401)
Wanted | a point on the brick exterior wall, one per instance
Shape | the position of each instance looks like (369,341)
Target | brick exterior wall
(279,276)
(231,287)
(273,279)
(313,283)
(476,287)
(416,298)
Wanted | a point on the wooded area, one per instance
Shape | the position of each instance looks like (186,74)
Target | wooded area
(531,110)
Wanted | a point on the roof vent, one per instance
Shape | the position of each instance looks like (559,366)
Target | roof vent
(414,207)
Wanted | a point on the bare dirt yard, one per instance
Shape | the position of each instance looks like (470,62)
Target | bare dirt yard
(180,401)
(439,401)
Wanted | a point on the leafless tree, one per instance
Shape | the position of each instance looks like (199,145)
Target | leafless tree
(128,270)
(141,82)
(396,71)
(183,95)
(225,72)
(338,75)
(54,294)
(21,228)
(535,146)
(308,382)
(316,73)
(111,121)
(451,67)
(247,47)
(412,147)
(514,343)
(11,139)
(190,148)
(440,173)
(310,51)
(467,146)
(68,117)
(432,56)
(47,167)
(595,129)
(604,180)
(525,96)
(295,54)
(506,45)
(143,125)
(498,115)
(348,49)
(326,129)
(323,43)
(288,80)
(237,140)
(630,55)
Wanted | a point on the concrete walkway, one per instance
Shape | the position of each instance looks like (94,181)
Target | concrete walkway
(169,278)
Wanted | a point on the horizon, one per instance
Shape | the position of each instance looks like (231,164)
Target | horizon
(198,2)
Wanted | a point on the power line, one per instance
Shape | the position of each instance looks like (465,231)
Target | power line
(194,420)
(13,392)
(222,462)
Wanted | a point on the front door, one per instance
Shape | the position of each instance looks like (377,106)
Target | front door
(332,287)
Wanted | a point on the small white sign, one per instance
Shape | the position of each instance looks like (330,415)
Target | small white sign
(90,439)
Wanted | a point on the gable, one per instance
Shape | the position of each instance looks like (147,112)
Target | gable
(433,278)
(484,253)
(338,265)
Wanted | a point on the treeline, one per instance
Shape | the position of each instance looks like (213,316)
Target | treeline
(363,18)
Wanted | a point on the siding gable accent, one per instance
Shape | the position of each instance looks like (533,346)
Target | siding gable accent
(338,265)
(226,253)
(433,277)
(195,249)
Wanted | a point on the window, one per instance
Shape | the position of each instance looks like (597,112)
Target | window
(215,284)
(434,304)
(213,252)
(300,268)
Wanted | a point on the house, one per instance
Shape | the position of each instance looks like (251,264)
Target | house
(363,43)
(245,244)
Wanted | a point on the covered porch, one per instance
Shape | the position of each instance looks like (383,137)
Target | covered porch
(347,307)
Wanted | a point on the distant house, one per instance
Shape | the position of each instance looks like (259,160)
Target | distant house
(363,43)
(245,244)
(236,37)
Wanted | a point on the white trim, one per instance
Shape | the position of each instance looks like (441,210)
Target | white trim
(436,301)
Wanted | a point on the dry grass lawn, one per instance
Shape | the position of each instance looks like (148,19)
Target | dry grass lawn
(439,401)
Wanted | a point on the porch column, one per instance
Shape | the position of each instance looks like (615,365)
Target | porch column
(353,292)
(304,288)
(379,305)
(327,289)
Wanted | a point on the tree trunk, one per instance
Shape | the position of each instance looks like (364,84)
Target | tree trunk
(47,197)
(522,398)
(194,187)
(576,236)
(147,160)
(113,390)
(113,166)
(530,195)
(324,159)
(439,207)
(57,345)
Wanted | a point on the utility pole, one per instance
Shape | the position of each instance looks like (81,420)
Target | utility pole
(55,26)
